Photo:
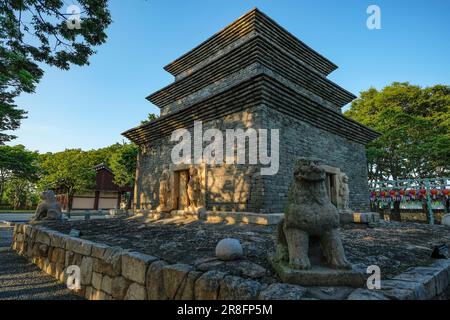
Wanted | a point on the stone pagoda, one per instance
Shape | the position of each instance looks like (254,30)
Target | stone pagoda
(251,74)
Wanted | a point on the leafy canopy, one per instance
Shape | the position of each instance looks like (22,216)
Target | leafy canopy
(150,118)
(69,171)
(17,163)
(123,165)
(36,32)
(415,127)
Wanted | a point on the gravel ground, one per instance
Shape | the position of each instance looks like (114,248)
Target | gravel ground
(393,246)
(21,280)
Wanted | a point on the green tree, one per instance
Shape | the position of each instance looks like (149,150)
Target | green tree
(33,32)
(69,172)
(17,163)
(150,118)
(21,193)
(123,165)
(415,127)
(103,155)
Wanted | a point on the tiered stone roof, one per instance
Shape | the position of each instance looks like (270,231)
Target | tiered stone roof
(251,61)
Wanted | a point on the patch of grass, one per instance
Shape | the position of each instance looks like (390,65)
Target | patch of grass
(17,211)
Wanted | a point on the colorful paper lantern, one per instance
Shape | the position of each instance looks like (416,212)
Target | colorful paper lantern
(446,193)
(434,193)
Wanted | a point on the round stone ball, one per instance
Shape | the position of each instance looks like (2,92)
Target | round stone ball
(229,249)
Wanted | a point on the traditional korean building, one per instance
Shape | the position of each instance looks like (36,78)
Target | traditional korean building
(104,196)
(252,74)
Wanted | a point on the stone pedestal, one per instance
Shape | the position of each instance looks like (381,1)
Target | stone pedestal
(446,220)
(347,216)
(199,213)
(318,275)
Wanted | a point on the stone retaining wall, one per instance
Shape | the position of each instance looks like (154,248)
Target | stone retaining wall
(113,273)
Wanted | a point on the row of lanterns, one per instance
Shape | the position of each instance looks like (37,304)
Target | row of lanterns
(408,195)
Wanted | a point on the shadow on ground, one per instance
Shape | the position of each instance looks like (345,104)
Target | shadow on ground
(21,280)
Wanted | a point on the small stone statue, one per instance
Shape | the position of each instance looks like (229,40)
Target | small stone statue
(48,208)
(164,191)
(310,214)
(194,189)
(344,193)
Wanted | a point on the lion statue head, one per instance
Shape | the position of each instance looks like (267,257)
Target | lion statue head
(48,196)
(309,169)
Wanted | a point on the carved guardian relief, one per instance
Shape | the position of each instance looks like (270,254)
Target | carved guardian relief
(344,193)
(164,192)
(182,188)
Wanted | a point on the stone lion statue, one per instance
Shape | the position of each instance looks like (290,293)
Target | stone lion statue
(48,208)
(309,214)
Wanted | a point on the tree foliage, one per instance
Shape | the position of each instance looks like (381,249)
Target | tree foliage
(23,173)
(72,171)
(34,32)
(415,127)
(123,165)
(21,193)
(68,172)
(17,163)
(150,118)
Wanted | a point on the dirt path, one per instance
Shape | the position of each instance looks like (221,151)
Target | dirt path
(21,280)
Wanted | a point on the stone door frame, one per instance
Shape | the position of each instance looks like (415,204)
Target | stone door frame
(174,182)
(335,173)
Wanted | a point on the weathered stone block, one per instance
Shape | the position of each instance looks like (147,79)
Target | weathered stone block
(50,268)
(88,293)
(107,285)
(43,237)
(187,291)
(29,252)
(424,277)
(73,259)
(22,249)
(97,295)
(18,228)
(58,255)
(155,282)
(59,269)
(318,276)
(134,266)
(97,280)
(174,279)
(207,286)
(365,294)
(446,220)
(136,292)
(98,250)
(34,232)
(44,265)
(236,288)
(27,230)
(112,261)
(80,246)
(119,287)
(58,240)
(282,291)
(403,290)
(18,237)
(35,250)
(86,271)
(43,250)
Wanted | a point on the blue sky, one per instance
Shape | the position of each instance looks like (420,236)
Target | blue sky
(89,107)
